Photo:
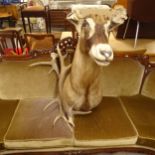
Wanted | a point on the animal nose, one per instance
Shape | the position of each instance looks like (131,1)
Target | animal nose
(106,54)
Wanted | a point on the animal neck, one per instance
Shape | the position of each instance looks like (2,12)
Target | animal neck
(84,70)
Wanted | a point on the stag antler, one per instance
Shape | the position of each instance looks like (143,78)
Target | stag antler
(64,70)
(52,63)
(61,112)
(62,74)
(62,47)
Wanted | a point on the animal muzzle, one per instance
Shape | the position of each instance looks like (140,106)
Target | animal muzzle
(102,54)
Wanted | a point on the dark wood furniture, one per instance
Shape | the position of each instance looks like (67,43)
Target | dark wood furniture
(57,19)
(141,11)
(34,11)
(5,16)
(10,13)
(12,36)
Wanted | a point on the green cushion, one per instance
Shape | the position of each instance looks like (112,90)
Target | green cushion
(149,85)
(32,126)
(122,77)
(7,108)
(18,80)
(107,125)
(141,110)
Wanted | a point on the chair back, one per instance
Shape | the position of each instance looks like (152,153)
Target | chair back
(39,42)
(10,42)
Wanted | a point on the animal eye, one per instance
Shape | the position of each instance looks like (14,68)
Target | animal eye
(85,24)
(87,28)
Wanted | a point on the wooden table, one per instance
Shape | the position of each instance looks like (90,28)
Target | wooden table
(5,16)
(12,9)
(9,12)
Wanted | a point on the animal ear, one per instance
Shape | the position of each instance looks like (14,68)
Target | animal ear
(118,16)
(71,17)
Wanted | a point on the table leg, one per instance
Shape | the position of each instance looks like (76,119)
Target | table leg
(20,42)
(47,25)
(29,24)
(24,25)
(1,23)
(13,44)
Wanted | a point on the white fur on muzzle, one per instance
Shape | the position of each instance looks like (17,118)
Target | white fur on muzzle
(102,54)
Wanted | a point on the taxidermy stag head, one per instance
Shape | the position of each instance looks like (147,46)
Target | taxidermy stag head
(94,24)
(81,89)
(80,83)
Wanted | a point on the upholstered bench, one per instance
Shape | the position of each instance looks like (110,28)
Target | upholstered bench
(124,121)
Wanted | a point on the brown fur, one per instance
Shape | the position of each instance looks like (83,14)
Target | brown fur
(82,88)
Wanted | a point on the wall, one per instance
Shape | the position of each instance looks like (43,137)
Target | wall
(122,2)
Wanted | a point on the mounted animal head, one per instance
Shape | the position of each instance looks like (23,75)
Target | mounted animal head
(94,24)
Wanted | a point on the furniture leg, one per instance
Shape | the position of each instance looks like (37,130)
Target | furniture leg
(9,21)
(137,31)
(20,42)
(49,21)
(29,24)
(13,44)
(1,23)
(24,25)
(1,50)
(126,28)
(4,43)
(46,22)
(17,40)
(1,47)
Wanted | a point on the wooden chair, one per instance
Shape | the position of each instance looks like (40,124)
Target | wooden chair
(34,11)
(11,38)
(1,47)
(39,44)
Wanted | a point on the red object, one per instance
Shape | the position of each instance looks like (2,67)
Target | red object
(10,52)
